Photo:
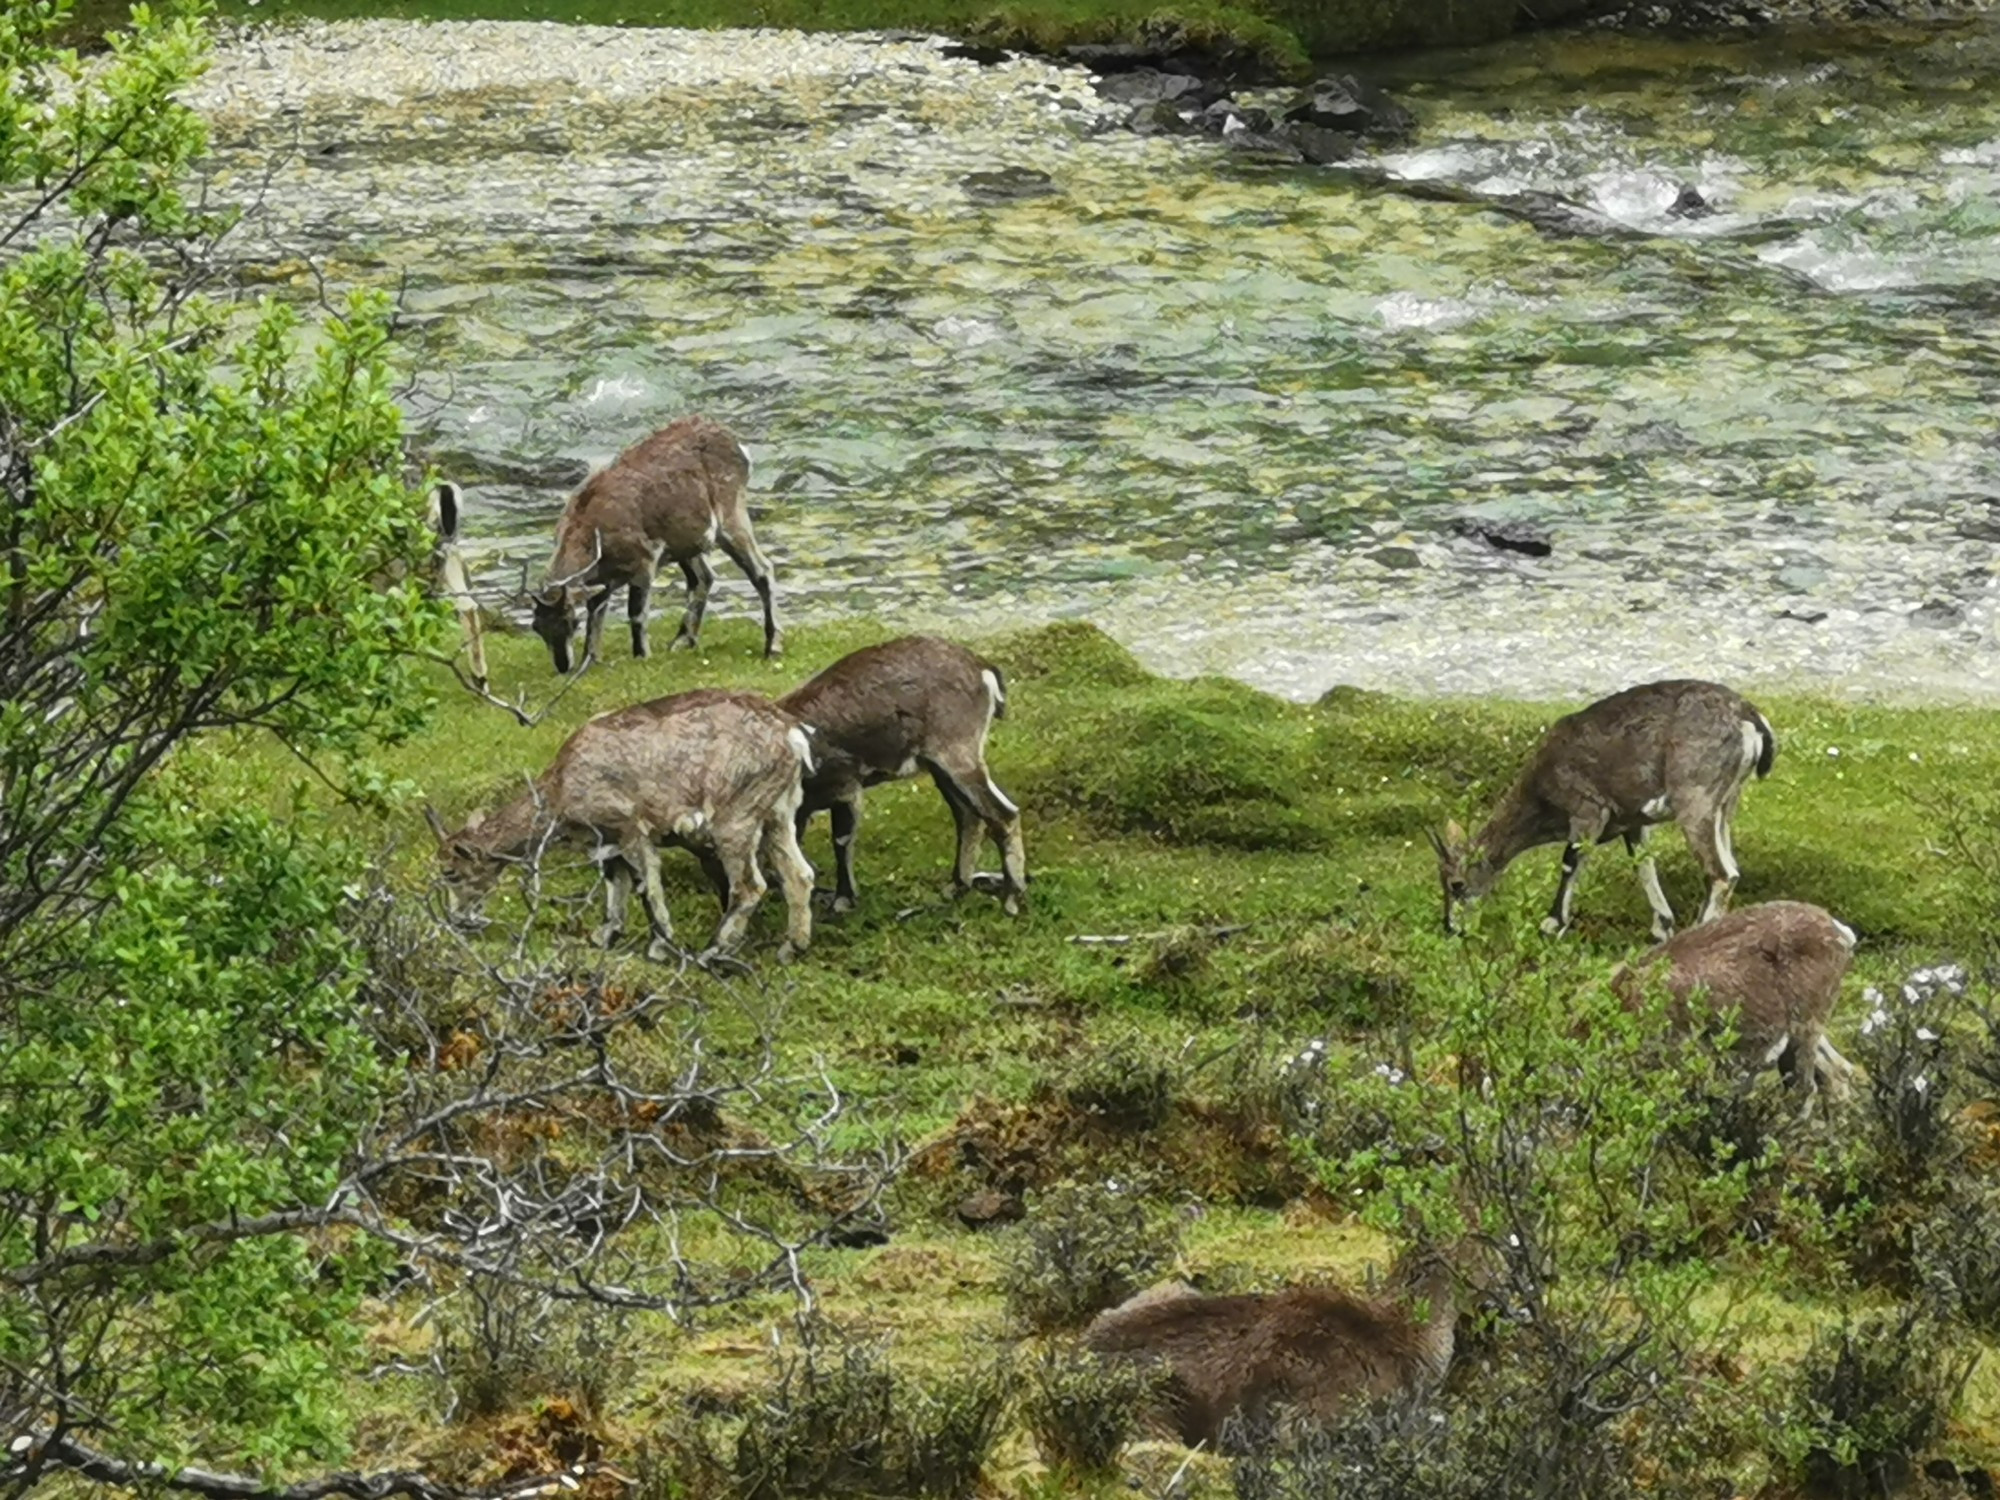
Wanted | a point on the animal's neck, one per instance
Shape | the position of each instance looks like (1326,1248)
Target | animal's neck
(510,828)
(1518,824)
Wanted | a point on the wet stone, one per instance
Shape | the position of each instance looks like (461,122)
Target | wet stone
(1508,536)
(1007,185)
(1397,557)
(1343,102)
(1164,118)
(1937,614)
(1690,204)
(1145,86)
(1317,144)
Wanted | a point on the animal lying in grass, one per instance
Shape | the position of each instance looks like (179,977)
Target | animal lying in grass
(1777,967)
(884,712)
(676,494)
(718,773)
(1313,1349)
(1679,752)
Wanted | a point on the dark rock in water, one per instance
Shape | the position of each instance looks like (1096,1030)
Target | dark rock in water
(1804,616)
(858,1236)
(1007,185)
(1980,529)
(1508,536)
(987,1208)
(1164,118)
(1227,117)
(1397,557)
(986,57)
(1317,144)
(1937,614)
(1262,143)
(1342,102)
(1690,204)
(1147,86)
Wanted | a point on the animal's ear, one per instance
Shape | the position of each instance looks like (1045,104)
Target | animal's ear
(437,824)
(1454,835)
(445,502)
(1437,842)
(472,824)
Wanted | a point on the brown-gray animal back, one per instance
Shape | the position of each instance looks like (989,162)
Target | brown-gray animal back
(888,711)
(675,494)
(1315,1349)
(1778,966)
(1679,751)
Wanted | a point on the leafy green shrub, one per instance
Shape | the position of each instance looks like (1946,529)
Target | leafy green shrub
(1084,1247)
(1910,1056)
(1129,1084)
(843,1422)
(1956,1255)
(1341,973)
(1082,1410)
(1870,1398)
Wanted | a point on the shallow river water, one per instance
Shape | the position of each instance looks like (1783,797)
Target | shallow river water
(1234,412)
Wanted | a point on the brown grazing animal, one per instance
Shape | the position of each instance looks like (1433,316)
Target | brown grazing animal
(675,494)
(1778,968)
(1315,1349)
(1678,751)
(714,772)
(881,713)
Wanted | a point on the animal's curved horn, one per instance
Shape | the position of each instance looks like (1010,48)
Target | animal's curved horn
(437,823)
(569,580)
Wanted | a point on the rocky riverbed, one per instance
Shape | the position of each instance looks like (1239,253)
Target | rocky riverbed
(1001,359)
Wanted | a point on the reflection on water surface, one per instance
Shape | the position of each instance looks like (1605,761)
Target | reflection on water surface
(1231,411)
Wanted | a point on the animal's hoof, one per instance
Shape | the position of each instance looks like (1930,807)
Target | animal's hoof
(683,643)
(661,950)
(1011,905)
(605,936)
(1662,931)
(1553,927)
(787,951)
(843,904)
(774,647)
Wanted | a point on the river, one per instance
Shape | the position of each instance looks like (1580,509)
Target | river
(1233,411)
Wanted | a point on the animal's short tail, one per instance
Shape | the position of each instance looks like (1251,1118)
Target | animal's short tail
(996,689)
(1768,755)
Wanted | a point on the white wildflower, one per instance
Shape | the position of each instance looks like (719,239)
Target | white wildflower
(1920,1083)
(1834,751)
(1925,1034)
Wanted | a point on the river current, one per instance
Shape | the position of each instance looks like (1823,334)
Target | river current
(1246,416)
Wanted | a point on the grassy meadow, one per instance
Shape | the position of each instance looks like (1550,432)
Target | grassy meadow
(1262,870)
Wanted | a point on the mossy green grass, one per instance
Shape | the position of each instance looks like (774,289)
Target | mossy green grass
(1262,871)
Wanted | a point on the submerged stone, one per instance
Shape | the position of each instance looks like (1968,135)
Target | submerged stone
(1007,185)
(1343,102)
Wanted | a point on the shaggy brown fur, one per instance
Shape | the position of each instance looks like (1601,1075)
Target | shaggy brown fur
(675,494)
(1678,751)
(884,712)
(714,772)
(1315,1349)
(1778,966)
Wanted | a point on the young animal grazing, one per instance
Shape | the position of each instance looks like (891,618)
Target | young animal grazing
(1315,1349)
(714,772)
(884,711)
(1678,751)
(1778,967)
(675,494)
(449,566)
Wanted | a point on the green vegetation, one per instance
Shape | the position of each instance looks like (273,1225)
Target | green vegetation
(294,1174)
